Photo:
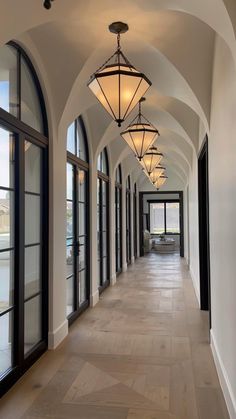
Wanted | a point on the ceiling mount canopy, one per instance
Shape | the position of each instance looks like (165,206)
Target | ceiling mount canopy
(140,134)
(156,173)
(117,84)
(160,181)
(151,159)
(47,4)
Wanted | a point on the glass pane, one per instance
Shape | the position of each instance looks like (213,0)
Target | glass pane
(81,145)
(99,273)
(69,261)
(69,295)
(157,222)
(32,328)
(82,286)
(6,341)
(71,138)
(104,244)
(6,280)
(82,220)
(32,219)
(98,190)
(104,218)
(32,270)
(32,167)
(104,262)
(99,163)
(172,217)
(6,219)
(82,254)
(6,158)
(104,192)
(104,162)
(30,106)
(69,179)
(8,80)
(82,185)
(69,219)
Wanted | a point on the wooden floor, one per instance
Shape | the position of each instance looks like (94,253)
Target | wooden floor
(141,353)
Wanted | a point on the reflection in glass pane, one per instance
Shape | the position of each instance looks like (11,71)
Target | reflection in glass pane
(30,106)
(32,167)
(69,179)
(32,329)
(82,185)
(104,276)
(32,270)
(6,158)
(32,219)
(81,145)
(99,163)
(6,219)
(69,295)
(104,192)
(71,138)
(69,219)
(98,190)
(6,280)
(6,341)
(82,258)
(8,80)
(82,287)
(69,261)
(82,226)
(104,244)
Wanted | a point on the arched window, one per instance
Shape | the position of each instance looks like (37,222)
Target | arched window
(77,235)
(103,220)
(135,224)
(128,220)
(118,219)
(23,216)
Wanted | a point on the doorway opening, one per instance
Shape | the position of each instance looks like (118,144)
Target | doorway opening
(204,243)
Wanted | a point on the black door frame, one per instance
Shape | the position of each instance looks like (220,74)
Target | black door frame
(118,215)
(181,213)
(128,225)
(204,235)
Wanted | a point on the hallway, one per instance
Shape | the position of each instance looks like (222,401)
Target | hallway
(141,353)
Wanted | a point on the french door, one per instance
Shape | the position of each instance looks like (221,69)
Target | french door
(77,238)
(128,227)
(23,252)
(118,219)
(103,231)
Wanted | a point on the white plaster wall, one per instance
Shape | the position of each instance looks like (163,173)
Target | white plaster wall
(222,191)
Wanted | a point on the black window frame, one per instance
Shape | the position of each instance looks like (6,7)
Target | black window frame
(23,132)
(135,222)
(128,221)
(118,215)
(103,179)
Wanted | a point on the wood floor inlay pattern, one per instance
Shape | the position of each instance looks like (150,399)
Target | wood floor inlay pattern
(142,353)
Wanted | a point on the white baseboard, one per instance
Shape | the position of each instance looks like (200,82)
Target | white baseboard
(58,335)
(94,298)
(113,280)
(124,267)
(196,289)
(224,380)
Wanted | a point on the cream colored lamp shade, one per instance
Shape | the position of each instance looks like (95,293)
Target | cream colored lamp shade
(117,84)
(156,173)
(151,159)
(160,181)
(140,134)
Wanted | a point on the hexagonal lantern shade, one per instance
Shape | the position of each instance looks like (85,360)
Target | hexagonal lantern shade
(151,159)
(117,84)
(160,181)
(156,173)
(140,134)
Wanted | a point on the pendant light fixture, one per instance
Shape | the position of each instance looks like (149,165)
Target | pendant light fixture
(117,84)
(151,159)
(160,181)
(140,134)
(156,173)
